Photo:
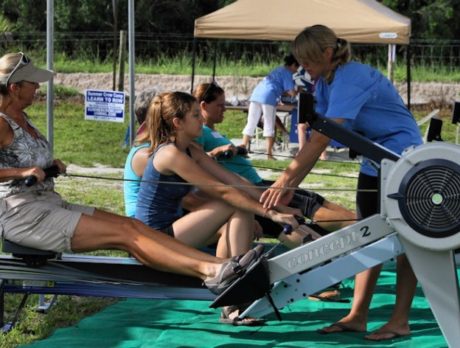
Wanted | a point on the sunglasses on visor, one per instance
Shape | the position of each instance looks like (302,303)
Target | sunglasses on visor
(22,62)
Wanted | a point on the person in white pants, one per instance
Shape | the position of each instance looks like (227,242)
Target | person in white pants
(264,99)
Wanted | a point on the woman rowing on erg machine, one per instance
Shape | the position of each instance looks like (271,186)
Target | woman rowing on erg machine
(38,217)
(175,166)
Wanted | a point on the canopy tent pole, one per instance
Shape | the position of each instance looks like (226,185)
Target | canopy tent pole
(391,62)
(49,65)
(132,90)
(193,64)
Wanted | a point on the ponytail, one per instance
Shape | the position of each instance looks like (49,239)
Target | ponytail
(162,110)
(310,44)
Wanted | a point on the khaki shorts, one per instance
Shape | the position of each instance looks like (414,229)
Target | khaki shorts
(40,220)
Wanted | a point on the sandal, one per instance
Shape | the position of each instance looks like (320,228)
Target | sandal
(230,315)
(233,269)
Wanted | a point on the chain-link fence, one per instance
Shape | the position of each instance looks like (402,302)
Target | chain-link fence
(430,54)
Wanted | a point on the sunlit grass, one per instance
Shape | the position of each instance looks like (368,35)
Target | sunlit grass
(225,66)
(87,143)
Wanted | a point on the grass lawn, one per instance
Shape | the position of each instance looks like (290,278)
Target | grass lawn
(88,143)
(254,67)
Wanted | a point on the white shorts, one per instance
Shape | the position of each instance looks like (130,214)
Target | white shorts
(40,220)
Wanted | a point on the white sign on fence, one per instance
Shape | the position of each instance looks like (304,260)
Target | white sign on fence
(104,105)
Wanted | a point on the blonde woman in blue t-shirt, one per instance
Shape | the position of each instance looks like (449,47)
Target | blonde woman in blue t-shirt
(355,93)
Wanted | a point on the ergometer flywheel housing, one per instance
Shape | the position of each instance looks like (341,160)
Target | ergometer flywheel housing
(424,191)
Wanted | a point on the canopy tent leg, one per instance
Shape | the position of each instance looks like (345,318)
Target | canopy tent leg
(391,62)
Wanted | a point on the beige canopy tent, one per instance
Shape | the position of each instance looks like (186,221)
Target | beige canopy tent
(364,21)
(358,21)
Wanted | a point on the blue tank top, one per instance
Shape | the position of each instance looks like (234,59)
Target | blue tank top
(132,182)
(159,198)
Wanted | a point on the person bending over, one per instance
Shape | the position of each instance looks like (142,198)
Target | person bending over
(356,93)
(264,99)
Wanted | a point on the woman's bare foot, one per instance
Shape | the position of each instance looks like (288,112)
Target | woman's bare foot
(345,324)
(389,331)
(324,156)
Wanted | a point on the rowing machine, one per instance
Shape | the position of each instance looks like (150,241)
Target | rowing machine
(420,200)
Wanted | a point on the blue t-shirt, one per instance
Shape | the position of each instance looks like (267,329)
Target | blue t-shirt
(269,90)
(132,182)
(238,164)
(160,196)
(370,105)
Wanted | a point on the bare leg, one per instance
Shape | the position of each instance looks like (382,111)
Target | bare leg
(365,281)
(398,324)
(356,319)
(196,228)
(152,248)
(222,248)
(324,156)
(270,143)
(246,141)
(110,217)
(238,235)
(332,217)
(199,226)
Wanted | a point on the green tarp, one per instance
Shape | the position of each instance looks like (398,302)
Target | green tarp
(146,323)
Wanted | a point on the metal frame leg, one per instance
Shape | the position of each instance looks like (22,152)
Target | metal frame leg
(6,327)
(2,304)
(45,305)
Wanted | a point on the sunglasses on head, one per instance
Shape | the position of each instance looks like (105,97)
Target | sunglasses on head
(208,95)
(22,62)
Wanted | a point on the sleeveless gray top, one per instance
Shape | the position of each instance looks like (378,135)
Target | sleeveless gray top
(24,151)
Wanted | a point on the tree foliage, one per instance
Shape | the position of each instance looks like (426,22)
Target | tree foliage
(431,19)
(163,16)
(434,19)
(160,19)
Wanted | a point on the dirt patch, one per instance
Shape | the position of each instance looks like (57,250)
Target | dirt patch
(241,87)
(429,93)
(97,169)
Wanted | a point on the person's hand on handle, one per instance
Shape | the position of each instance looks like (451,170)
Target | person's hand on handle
(272,196)
(62,167)
(228,150)
(36,172)
(282,218)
